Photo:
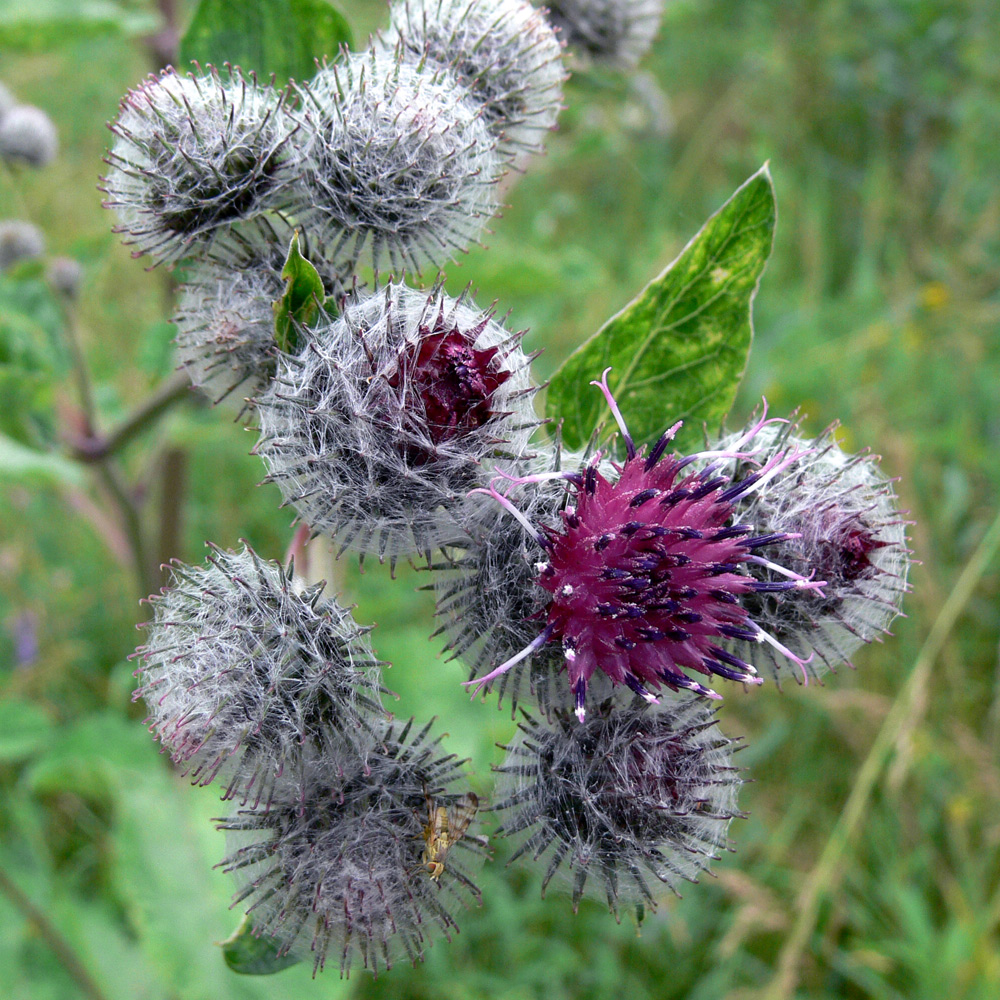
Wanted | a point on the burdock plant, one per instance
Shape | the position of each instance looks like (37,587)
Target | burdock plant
(600,578)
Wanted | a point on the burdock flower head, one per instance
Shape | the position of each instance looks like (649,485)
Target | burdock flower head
(399,167)
(841,518)
(619,32)
(630,801)
(194,154)
(644,573)
(361,863)
(243,669)
(225,316)
(377,432)
(504,51)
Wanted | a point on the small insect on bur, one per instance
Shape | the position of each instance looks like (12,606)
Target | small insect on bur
(446,825)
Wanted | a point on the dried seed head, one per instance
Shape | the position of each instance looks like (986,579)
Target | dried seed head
(244,668)
(846,528)
(504,51)
(618,32)
(194,155)
(27,135)
(225,320)
(399,167)
(19,241)
(379,429)
(335,868)
(629,801)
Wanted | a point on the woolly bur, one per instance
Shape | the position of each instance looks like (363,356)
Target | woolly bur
(617,32)
(841,517)
(630,802)
(335,869)
(225,316)
(379,429)
(193,155)
(398,167)
(245,671)
(504,51)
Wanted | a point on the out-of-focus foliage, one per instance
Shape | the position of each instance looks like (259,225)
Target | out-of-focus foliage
(880,306)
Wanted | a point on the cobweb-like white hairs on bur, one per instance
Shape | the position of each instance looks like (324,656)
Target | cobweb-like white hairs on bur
(333,868)
(243,669)
(193,155)
(623,805)
(852,535)
(379,429)
(225,316)
(504,51)
(399,168)
(487,599)
(617,32)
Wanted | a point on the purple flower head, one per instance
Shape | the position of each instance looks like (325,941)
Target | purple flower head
(644,571)
(453,380)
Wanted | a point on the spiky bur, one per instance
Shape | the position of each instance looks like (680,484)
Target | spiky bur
(194,155)
(19,241)
(377,432)
(28,136)
(244,669)
(399,168)
(841,516)
(224,318)
(629,802)
(487,599)
(644,574)
(504,51)
(617,32)
(335,868)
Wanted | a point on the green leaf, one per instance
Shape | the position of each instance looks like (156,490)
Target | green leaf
(283,37)
(302,301)
(254,955)
(24,728)
(17,461)
(678,350)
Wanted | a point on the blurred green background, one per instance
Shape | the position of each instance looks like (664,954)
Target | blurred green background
(869,864)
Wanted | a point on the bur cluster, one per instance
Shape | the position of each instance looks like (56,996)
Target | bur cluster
(616,32)
(605,592)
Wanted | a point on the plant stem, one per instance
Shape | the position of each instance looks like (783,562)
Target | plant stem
(173,477)
(98,447)
(825,876)
(132,520)
(59,945)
